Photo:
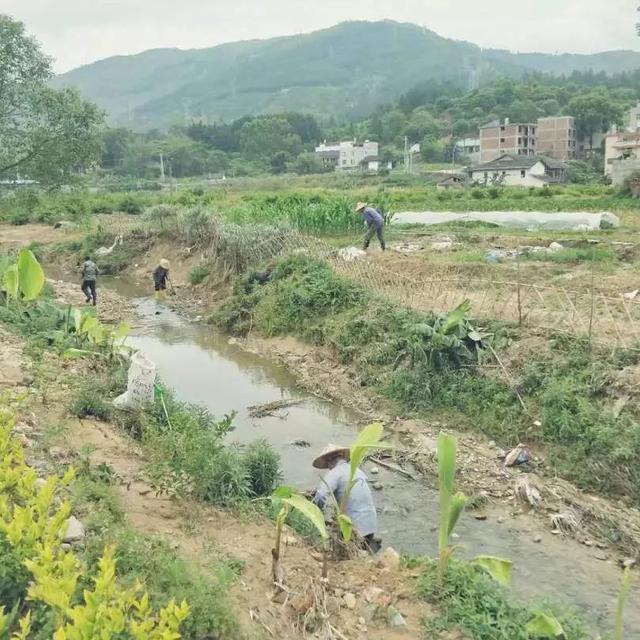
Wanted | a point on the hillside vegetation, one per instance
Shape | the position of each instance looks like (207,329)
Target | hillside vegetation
(343,71)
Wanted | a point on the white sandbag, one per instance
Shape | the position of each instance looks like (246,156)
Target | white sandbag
(140,382)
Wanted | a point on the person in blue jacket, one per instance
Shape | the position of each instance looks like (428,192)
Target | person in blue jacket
(374,222)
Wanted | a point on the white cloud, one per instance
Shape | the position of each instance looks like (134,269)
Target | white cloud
(77,32)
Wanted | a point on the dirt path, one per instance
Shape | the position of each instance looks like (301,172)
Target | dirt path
(13,236)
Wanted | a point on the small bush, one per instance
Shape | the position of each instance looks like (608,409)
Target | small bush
(90,402)
(198,274)
(225,479)
(263,468)
(130,206)
(477,194)
(161,215)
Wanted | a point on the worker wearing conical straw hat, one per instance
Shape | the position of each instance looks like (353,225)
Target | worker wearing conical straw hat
(374,221)
(161,278)
(359,507)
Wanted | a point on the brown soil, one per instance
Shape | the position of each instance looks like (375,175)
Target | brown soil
(12,236)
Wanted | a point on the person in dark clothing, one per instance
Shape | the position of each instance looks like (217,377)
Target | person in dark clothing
(160,279)
(375,224)
(89,271)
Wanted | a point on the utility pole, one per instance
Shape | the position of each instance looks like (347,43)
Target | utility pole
(161,167)
(406,155)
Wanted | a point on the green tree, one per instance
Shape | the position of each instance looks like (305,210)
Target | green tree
(550,107)
(421,124)
(594,113)
(308,163)
(115,145)
(268,135)
(45,134)
(432,150)
(279,161)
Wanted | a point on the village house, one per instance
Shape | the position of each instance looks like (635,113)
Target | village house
(519,171)
(349,155)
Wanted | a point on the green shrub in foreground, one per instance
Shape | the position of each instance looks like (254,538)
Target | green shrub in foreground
(471,600)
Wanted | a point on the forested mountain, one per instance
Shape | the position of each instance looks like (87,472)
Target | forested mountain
(344,71)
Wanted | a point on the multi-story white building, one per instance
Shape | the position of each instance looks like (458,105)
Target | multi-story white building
(349,155)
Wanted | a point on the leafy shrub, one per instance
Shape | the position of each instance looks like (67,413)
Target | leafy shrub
(90,402)
(478,194)
(130,205)
(198,274)
(196,225)
(32,524)
(161,215)
(263,468)
(224,479)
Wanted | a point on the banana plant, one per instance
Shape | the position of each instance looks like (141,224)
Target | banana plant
(23,279)
(287,498)
(89,331)
(368,440)
(543,625)
(452,505)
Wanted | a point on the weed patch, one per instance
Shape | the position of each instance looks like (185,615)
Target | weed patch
(468,599)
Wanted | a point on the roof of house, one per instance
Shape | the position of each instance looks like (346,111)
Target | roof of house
(368,159)
(507,161)
(455,178)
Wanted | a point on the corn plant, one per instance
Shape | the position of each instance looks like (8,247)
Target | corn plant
(23,279)
(452,505)
(287,499)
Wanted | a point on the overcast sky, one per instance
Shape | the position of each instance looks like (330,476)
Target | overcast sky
(76,32)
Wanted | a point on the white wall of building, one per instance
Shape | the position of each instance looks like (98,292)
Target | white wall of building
(533,177)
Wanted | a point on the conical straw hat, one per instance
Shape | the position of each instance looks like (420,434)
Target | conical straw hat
(330,450)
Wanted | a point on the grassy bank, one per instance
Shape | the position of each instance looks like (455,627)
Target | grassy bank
(432,366)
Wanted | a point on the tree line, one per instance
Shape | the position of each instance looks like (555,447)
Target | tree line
(53,136)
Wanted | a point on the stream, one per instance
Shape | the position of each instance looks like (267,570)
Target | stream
(203,367)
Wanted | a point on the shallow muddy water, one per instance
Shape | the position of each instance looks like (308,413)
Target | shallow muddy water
(202,367)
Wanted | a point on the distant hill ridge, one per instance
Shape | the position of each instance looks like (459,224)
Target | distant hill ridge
(342,71)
